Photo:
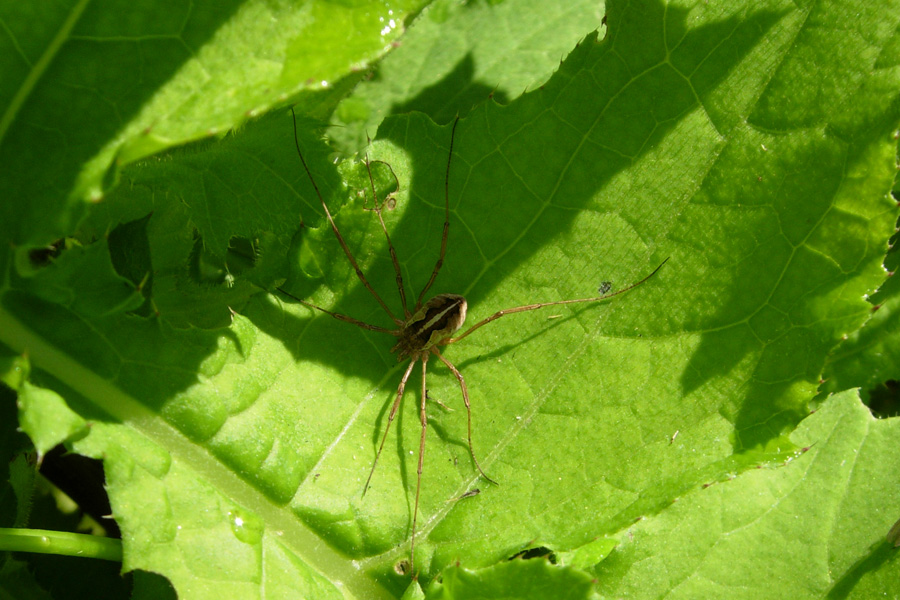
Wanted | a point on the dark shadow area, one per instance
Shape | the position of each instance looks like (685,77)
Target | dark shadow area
(152,585)
(58,575)
(129,250)
(878,556)
(884,401)
(777,328)
(99,76)
(522,132)
(81,479)
(536,552)
(456,94)
(428,175)
(590,165)
(76,577)
(42,257)
(13,445)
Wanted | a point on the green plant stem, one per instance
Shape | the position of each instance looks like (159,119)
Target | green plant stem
(60,542)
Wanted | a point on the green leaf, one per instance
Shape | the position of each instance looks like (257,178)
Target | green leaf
(459,54)
(751,144)
(588,555)
(523,579)
(823,515)
(868,358)
(45,417)
(90,87)
(84,279)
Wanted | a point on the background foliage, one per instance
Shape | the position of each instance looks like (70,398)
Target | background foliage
(700,436)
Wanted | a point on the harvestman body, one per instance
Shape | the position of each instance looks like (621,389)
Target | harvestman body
(428,325)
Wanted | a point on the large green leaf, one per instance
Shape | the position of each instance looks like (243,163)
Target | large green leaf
(751,145)
(88,86)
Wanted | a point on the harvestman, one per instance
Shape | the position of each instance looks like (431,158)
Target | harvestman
(425,327)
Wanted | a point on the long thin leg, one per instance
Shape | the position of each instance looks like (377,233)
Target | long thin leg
(518,309)
(337,233)
(339,316)
(465,393)
(394,260)
(440,261)
(390,420)
(424,420)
